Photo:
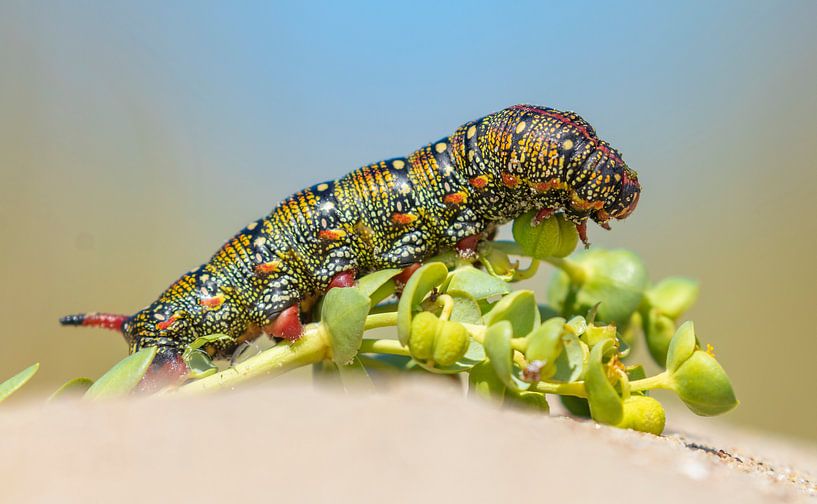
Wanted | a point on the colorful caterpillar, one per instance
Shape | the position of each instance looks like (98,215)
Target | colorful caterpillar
(395,213)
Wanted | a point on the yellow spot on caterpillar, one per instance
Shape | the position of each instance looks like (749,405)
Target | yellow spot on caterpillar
(398,164)
(440,147)
(252,225)
(568,144)
(260,241)
(323,187)
(471,131)
(520,127)
(617,177)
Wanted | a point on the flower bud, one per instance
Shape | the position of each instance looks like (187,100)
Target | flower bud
(703,385)
(451,343)
(615,278)
(423,332)
(643,414)
(552,237)
(545,344)
(595,334)
(673,296)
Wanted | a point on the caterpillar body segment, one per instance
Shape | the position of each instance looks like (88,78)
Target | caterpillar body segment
(393,213)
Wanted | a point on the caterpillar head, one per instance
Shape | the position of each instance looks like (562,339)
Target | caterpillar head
(161,325)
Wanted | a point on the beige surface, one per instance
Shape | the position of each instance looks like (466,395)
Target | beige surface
(285,442)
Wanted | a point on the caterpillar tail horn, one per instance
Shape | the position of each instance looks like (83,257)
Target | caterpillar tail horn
(104,320)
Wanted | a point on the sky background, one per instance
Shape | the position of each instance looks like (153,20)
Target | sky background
(135,137)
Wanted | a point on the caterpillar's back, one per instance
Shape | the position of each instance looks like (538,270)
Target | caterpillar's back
(393,213)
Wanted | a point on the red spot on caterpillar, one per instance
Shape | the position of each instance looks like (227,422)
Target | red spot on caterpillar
(287,325)
(456,198)
(212,302)
(541,215)
(403,218)
(268,268)
(167,323)
(479,181)
(331,234)
(468,245)
(509,180)
(343,279)
(547,186)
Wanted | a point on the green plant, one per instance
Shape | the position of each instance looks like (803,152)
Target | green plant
(453,317)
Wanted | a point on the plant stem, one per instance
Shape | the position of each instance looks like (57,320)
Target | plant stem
(576,389)
(312,347)
(384,346)
(381,320)
(659,381)
(574,271)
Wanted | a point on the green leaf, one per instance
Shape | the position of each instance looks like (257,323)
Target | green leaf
(372,283)
(466,309)
(570,362)
(553,237)
(703,385)
(615,278)
(121,379)
(658,332)
(73,387)
(477,283)
(545,343)
(499,351)
(527,400)
(202,341)
(354,377)
(426,278)
(673,296)
(681,346)
(344,317)
(199,364)
(519,308)
(483,381)
(577,406)
(605,403)
(14,383)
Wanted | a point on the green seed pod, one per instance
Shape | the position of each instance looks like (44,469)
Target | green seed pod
(553,237)
(545,343)
(615,278)
(643,414)
(658,332)
(450,344)
(423,333)
(703,385)
(673,296)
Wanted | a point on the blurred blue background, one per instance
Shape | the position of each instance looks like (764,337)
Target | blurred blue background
(136,136)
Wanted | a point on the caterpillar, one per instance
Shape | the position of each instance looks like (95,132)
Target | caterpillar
(391,214)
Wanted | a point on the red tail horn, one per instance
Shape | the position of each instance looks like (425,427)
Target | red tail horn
(103,320)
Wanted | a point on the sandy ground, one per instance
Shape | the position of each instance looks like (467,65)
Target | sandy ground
(420,442)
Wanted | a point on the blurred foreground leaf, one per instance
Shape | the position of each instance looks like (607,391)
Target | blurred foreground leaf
(14,383)
(121,379)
